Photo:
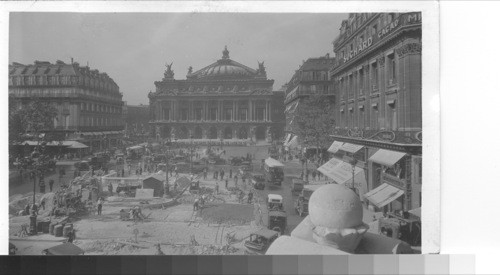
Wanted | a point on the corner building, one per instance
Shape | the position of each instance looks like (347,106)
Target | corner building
(378,79)
(88,102)
(224,100)
(311,78)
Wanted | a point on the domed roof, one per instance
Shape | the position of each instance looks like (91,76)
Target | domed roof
(223,68)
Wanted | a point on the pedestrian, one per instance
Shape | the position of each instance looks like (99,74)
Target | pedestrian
(123,172)
(231,173)
(176,171)
(71,236)
(235,180)
(221,174)
(51,184)
(216,175)
(99,206)
(110,188)
(205,174)
(227,183)
(27,209)
(158,250)
(42,203)
(196,204)
(217,187)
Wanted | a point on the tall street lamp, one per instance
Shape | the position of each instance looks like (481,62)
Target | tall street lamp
(191,154)
(353,163)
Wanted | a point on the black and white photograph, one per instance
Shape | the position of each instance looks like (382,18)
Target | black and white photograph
(221,133)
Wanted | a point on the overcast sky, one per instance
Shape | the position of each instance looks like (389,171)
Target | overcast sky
(133,48)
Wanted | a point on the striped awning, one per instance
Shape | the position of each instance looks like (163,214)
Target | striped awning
(386,157)
(351,148)
(383,195)
(336,145)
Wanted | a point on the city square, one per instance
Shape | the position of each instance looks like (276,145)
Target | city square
(225,160)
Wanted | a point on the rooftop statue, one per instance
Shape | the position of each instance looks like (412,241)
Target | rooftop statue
(168,72)
(261,70)
(190,70)
(335,227)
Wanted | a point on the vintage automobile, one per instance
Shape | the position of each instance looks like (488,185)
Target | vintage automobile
(402,226)
(63,249)
(260,240)
(275,202)
(194,187)
(297,186)
(302,202)
(277,221)
(273,170)
(258,181)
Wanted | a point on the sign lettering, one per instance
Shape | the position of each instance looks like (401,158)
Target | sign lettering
(359,48)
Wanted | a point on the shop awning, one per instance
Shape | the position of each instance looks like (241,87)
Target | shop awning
(336,145)
(383,195)
(351,148)
(338,170)
(293,142)
(287,139)
(386,157)
(77,145)
(291,108)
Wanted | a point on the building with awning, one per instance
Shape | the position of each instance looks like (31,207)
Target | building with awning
(341,173)
(378,110)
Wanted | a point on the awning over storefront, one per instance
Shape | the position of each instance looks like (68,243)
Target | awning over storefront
(336,145)
(386,157)
(351,148)
(287,139)
(341,173)
(417,212)
(383,195)
(291,108)
(293,142)
(77,145)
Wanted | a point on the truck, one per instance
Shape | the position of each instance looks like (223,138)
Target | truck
(302,202)
(273,171)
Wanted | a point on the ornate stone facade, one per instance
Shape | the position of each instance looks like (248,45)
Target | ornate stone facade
(378,79)
(223,100)
(89,102)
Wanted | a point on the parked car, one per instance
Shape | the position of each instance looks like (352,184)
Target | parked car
(258,181)
(275,202)
(302,202)
(277,221)
(297,186)
(260,240)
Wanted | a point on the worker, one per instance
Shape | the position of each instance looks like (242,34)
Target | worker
(99,206)
(250,197)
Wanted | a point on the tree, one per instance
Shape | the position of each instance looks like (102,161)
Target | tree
(314,121)
(33,118)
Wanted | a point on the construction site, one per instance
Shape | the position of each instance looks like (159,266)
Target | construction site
(191,215)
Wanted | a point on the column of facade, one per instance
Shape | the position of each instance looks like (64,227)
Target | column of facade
(158,106)
(250,112)
(237,110)
(233,118)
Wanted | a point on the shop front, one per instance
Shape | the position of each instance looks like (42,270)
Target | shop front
(390,183)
